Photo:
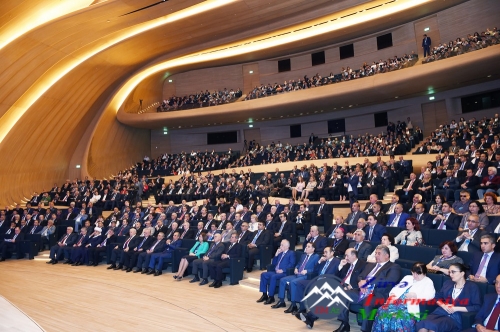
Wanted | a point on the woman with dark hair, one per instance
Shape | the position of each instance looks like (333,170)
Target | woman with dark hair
(457,295)
(412,235)
(400,313)
(436,208)
(441,263)
(199,248)
(388,241)
(475,208)
(490,205)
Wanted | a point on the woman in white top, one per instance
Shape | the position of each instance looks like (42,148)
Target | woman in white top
(388,241)
(253,224)
(412,235)
(309,188)
(298,188)
(400,313)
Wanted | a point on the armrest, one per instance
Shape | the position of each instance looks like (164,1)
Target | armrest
(289,271)
(270,268)
(311,275)
(468,319)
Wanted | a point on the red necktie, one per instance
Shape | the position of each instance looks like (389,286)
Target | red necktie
(492,322)
(348,274)
(125,245)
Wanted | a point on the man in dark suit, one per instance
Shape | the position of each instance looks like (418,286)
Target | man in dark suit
(487,317)
(117,255)
(283,259)
(214,253)
(12,244)
(302,218)
(426,45)
(376,279)
(363,248)
(314,237)
(369,205)
(244,235)
(130,257)
(470,239)
(447,186)
(468,183)
(352,218)
(352,186)
(409,189)
(324,214)
(34,229)
(144,257)
(446,220)
(423,218)
(232,250)
(260,237)
(348,271)
(281,230)
(80,254)
(485,266)
(57,250)
(373,230)
(338,242)
(94,252)
(156,260)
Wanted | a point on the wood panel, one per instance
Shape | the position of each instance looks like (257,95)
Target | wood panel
(251,76)
(433,33)
(252,135)
(434,114)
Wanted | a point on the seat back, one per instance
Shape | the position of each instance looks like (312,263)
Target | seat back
(436,236)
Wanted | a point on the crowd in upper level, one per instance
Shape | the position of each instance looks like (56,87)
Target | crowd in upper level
(200,99)
(472,42)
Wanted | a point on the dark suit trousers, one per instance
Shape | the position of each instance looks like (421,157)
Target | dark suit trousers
(9,246)
(116,256)
(201,264)
(143,260)
(129,258)
(367,304)
(57,252)
(216,268)
(251,256)
(95,252)
(78,254)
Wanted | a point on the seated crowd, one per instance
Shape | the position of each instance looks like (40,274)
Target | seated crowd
(463,45)
(200,99)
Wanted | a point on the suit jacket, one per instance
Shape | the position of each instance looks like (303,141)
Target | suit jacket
(364,250)
(19,238)
(265,237)
(285,260)
(148,243)
(235,251)
(332,268)
(451,223)
(287,228)
(160,247)
(339,247)
(453,183)
(311,263)
(71,240)
(353,181)
(321,242)
(425,220)
(50,230)
(37,229)
(353,220)
(386,277)
(246,237)
(493,268)
(217,251)
(172,246)
(358,268)
(475,244)
(486,309)
(401,222)
(377,233)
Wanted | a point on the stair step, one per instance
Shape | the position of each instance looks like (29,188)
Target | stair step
(251,282)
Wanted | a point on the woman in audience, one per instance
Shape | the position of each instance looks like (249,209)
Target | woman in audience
(253,224)
(457,295)
(475,208)
(412,235)
(388,241)
(299,187)
(436,208)
(400,313)
(309,188)
(425,190)
(199,248)
(490,207)
(441,263)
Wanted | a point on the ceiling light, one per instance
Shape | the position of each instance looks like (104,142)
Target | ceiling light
(431,98)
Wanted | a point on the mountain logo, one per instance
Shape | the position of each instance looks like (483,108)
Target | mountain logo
(325,297)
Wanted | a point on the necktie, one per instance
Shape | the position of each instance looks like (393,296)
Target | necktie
(441,225)
(281,228)
(409,187)
(323,270)
(348,274)
(370,234)
(125,245)
(256,237)
(211,249)
(154,246)
(64,239)
(103,243)
(374,271)
(395,221)
(481,265)
(229,249)
(320,208)
(184,233)
(81,239)
(492,322)
(33,230)
(301,268)
(356,247)
(479,171)
(352,218)
(140,245)
(279,261)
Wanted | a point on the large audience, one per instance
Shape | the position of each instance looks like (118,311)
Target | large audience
(200,99)
(470,43)
(241,211)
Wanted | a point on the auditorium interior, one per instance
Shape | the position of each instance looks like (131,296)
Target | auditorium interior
(211,119)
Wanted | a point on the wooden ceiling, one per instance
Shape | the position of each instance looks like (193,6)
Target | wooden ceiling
(57,78)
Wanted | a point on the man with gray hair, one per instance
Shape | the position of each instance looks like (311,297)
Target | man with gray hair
(376,279)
